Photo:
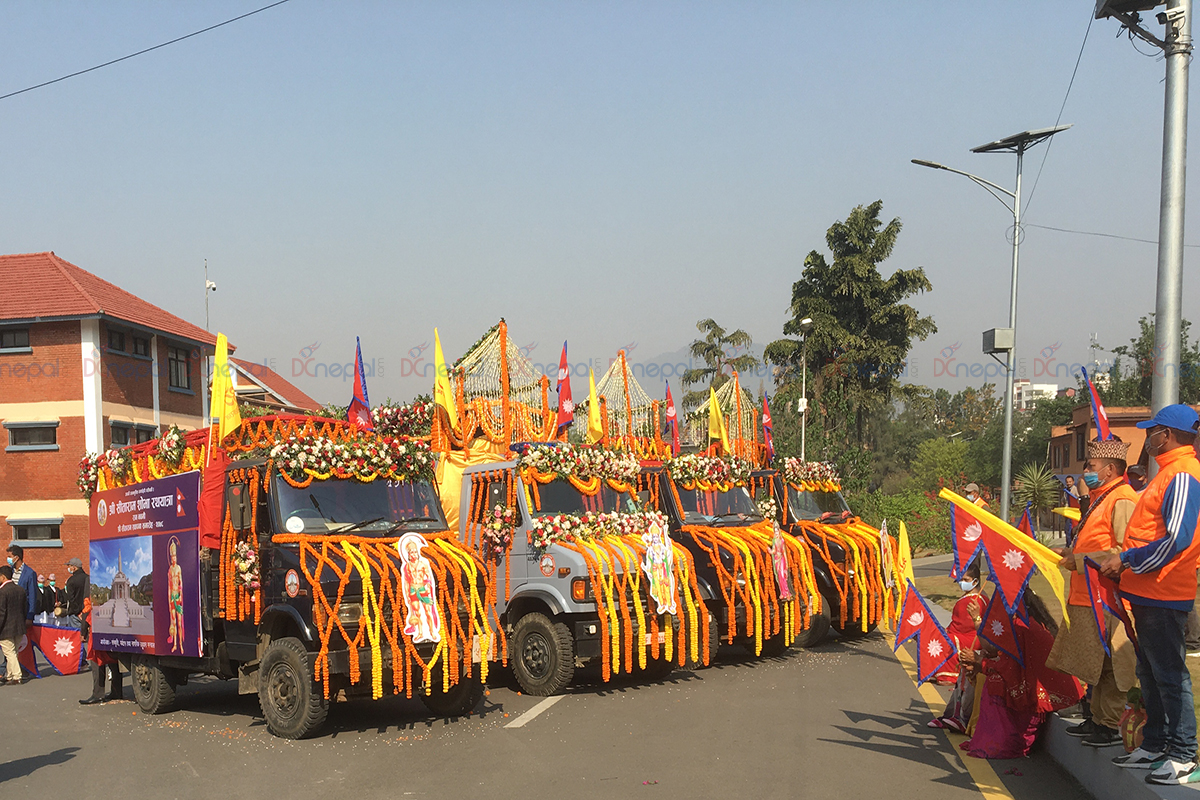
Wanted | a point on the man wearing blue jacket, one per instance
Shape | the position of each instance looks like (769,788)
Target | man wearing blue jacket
(24,576)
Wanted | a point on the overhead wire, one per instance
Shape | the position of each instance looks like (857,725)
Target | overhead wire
(142,52)
(1096,233)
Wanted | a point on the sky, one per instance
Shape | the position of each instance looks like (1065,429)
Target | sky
(606,173)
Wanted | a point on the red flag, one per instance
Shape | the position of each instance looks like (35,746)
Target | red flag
(60,646)
(768,439)
(1025,524)
(1011,568)
(26,656)
(672,421)
(997,628)
(1103,594)
(566,407)
(1099,415)
(359,411)
(966,539)
(934,647)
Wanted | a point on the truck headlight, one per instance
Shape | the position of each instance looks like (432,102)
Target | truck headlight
(349,613)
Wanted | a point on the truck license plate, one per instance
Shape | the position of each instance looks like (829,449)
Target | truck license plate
(662,637)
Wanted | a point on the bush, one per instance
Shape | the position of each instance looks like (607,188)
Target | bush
(926,517)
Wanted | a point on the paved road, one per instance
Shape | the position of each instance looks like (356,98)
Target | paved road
(840,721)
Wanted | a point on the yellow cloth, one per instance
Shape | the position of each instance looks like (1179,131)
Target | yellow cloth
(595,429)
(443,395)
(223,407)
(716,421)
(1068,512)
(449,474)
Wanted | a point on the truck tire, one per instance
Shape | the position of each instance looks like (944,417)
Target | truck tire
(462,698)
(853,629)
(658,668)
(774,646)
(292,703)
(544,655)
(818,628)
(153,686)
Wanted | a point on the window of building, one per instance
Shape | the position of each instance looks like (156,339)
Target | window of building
(1066,454)
(179,369)
(36,532)
(120,435)
(1056,458)
(141,346)
(14,339)
(1080,445)
(125,434)
(142,434)
(32,436)
(116,340)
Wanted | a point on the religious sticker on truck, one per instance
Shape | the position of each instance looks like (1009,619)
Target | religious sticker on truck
(145,567)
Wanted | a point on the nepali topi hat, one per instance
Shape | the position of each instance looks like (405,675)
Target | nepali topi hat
(1113,449)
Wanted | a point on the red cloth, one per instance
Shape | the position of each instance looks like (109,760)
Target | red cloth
(212,499)
(964,623)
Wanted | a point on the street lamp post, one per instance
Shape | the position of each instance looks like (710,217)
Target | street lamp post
(1017,143)
(805,326)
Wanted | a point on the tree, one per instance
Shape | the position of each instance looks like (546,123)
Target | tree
(1037,487)
(718,350)
(1131,387)
(862,330)
(939,461)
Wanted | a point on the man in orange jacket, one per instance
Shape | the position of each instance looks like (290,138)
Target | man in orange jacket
(1157,574)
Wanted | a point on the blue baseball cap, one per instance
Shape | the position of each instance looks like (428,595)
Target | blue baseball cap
(1178,416)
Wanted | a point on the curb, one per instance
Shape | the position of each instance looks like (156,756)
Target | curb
(1093,768)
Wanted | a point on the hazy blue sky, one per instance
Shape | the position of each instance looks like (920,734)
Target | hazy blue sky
(607,173)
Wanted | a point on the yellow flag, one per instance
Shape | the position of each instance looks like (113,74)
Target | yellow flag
(595,431)
(1044,559)
(223,407)
(443,395)
(716,421)
(904,568)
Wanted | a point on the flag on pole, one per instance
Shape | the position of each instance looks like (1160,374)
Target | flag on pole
(566,408)
(716,421)
(595,429)
(1103,594)
(359,412)
(223,407)
(902,568)
(672,421)
(997,628)
(443,395)
(1099,415)
(768,439)
(1025,524)
(934,647)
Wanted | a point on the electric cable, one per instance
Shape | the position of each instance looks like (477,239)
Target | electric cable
(1096,233)
(142,52)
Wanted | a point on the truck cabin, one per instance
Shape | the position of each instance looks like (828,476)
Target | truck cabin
(379,508)
(826,507)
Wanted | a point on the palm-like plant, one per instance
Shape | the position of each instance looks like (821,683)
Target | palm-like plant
(716,351)
(1037,486)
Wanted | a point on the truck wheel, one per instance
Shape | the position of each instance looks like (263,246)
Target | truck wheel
(818,627)
(291,701)
(153,688)
(774,646)
(545,655)
(462,698)
(853,629)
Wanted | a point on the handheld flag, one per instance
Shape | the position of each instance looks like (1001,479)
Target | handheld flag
(1025,524)
(934,647)
(768,439)
(716,421)
(595,429)
(904,567)
(1099,415)
(672,421)
(966,540)
(997,628)
(443,395)
(1103,594)
(223,407)
(359,412)
(566,408)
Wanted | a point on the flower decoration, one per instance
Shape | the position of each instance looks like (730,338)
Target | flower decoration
(246,564)
(709,470)
(403,420)
(556,528)
(365,458)
(498,532)
(89,474)
(811,475)
(580,462)
(171,446)
(767,506)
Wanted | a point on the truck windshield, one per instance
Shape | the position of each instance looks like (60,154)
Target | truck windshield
(560,497)
(369,508)
(732,507)
(822,506)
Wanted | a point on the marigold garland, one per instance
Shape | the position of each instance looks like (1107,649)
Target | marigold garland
(812,476)
(709,472)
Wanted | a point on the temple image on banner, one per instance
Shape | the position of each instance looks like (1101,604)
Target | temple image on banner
(121,612)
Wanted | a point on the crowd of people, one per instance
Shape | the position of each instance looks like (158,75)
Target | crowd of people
(28,598)
(1139,534)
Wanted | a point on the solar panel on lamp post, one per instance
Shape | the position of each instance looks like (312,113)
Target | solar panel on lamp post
(1017,143)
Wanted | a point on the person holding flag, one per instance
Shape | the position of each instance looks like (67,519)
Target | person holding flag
(1157,575)
(1082,648)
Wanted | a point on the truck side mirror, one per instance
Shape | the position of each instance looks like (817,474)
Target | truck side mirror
(239,507)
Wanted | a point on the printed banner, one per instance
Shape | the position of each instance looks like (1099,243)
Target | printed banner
(145,567)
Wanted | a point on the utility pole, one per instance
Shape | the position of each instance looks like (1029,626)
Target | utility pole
(209,286)
(1177,50)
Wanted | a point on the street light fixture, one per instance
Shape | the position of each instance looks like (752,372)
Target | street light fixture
(806,325)
(1017,143)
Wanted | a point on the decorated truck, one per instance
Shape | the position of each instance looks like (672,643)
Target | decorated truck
(300,556)
(806,499)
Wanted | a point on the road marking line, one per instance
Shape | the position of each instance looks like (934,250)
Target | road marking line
(524,719)
(981,771)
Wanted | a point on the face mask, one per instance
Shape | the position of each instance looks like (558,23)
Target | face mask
(10,560)
(1092,479)
(966,586)
(972,497)
(51,583)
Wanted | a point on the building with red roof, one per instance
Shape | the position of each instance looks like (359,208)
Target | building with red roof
(84,366)
(259,385)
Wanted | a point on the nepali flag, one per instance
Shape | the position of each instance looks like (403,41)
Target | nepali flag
(1103,594)
(60,646)
(566,407)
(997,628)
(768,439)
(1011,568)
(1099,415)
(359,411)
(966,540)
(672,421)
(934,647)
(1025,524)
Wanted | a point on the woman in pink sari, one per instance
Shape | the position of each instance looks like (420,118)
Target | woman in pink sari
(1018,697)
